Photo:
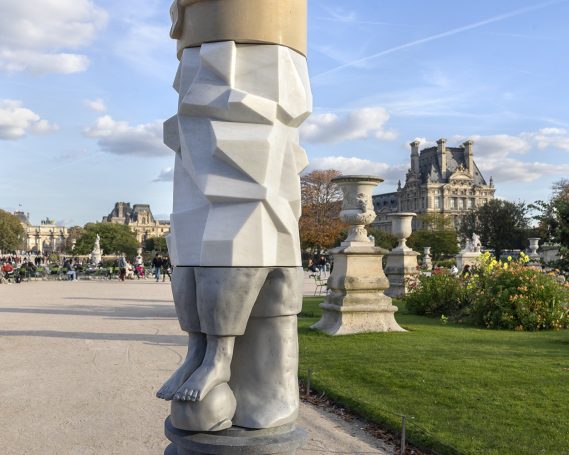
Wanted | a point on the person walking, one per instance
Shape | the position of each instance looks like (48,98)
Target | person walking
(157,264)
(166,269)
(122,267)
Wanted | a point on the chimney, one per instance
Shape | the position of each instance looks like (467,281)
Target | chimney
(415,156)
(469,156)
(442,156)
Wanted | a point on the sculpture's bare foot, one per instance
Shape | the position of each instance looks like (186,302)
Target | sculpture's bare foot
(194,358)
(215,370)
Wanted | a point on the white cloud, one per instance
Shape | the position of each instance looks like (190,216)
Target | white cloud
(358,124)
(358,166)
(166,175)
(36,37)
(121,138)
(16,121)
(497,144)
(97,105)
(511,170)
(555,138)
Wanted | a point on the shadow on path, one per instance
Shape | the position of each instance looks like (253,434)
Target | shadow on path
(133,312)
(161,340)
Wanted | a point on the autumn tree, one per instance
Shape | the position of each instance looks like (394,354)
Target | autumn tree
(73,233)
(321,204)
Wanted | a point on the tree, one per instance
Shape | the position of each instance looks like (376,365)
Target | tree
(12,232)
(383,239)
(442,242)
(553,215)
(436,222)
(73,233)
(321,204)
(156,244)
(500,225)
(115,239)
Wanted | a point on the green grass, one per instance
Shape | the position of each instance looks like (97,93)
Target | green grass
(463,389)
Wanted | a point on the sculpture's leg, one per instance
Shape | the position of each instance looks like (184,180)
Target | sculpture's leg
(225,297)
(184,291)
(213,371)
(194,358)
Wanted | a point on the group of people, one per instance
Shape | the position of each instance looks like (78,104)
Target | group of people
(161,268)
(319,265)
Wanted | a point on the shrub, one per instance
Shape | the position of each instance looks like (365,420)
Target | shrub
(438,294)
(502,295)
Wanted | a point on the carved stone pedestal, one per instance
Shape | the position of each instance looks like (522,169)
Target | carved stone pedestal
(466,258)
(356,303)
(401,268)
(283,440)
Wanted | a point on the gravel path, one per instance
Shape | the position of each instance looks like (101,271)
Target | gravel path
(80,363)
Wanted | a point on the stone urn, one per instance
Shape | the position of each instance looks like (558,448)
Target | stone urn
(533,246)
(356,302)
(401,228)
(357,207)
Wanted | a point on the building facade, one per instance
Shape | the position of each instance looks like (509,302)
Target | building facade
(441,179)
(139,219)
(45,238)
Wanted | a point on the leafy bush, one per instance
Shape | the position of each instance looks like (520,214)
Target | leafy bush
(435,295)
(501,295)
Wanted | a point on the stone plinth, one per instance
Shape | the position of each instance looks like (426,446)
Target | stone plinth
(401,268)
(356,302)
(466,258)
(284,440)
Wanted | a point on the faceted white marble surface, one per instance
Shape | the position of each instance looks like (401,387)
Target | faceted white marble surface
(236,184)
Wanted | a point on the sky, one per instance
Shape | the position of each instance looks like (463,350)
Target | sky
(86,84)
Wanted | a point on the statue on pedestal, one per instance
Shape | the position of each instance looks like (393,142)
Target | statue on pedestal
(97,253)
(243,92)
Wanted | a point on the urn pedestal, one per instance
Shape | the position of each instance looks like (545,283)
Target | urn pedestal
(533,247)
(356,302)
(401,265)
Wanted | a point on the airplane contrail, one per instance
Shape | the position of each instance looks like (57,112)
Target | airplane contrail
(454,31)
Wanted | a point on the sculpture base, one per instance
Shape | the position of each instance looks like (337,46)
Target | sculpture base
(356,303)
(467,258)
(283,440)
(401,270)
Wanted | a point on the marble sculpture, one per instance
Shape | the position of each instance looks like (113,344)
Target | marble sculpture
(237,285)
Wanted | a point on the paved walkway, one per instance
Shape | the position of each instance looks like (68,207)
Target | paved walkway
(80,363)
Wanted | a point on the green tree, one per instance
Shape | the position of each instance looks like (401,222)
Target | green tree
(12,232)
(553,215)
(383,239)
(500,225)
(115,239)
(156,244)
(443,243)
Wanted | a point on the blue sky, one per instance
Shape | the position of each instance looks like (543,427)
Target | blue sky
(86,84)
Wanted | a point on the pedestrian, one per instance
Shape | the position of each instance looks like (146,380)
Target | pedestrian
(122,267)
(166,269)
(157,264)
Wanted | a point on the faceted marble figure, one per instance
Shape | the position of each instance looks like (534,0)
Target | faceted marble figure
(237,285)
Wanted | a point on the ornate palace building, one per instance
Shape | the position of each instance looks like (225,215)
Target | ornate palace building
(442,180)
(139,219)
(45,238)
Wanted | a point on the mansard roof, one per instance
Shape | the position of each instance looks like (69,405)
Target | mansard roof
(431,172)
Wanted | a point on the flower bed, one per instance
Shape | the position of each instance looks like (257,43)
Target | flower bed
(496,294)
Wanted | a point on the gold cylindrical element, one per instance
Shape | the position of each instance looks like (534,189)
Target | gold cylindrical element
(243,21)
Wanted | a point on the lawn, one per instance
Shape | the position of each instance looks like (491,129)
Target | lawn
(463,389)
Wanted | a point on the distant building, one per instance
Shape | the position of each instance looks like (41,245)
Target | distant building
(45,238)
(442,180)
(139,219)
